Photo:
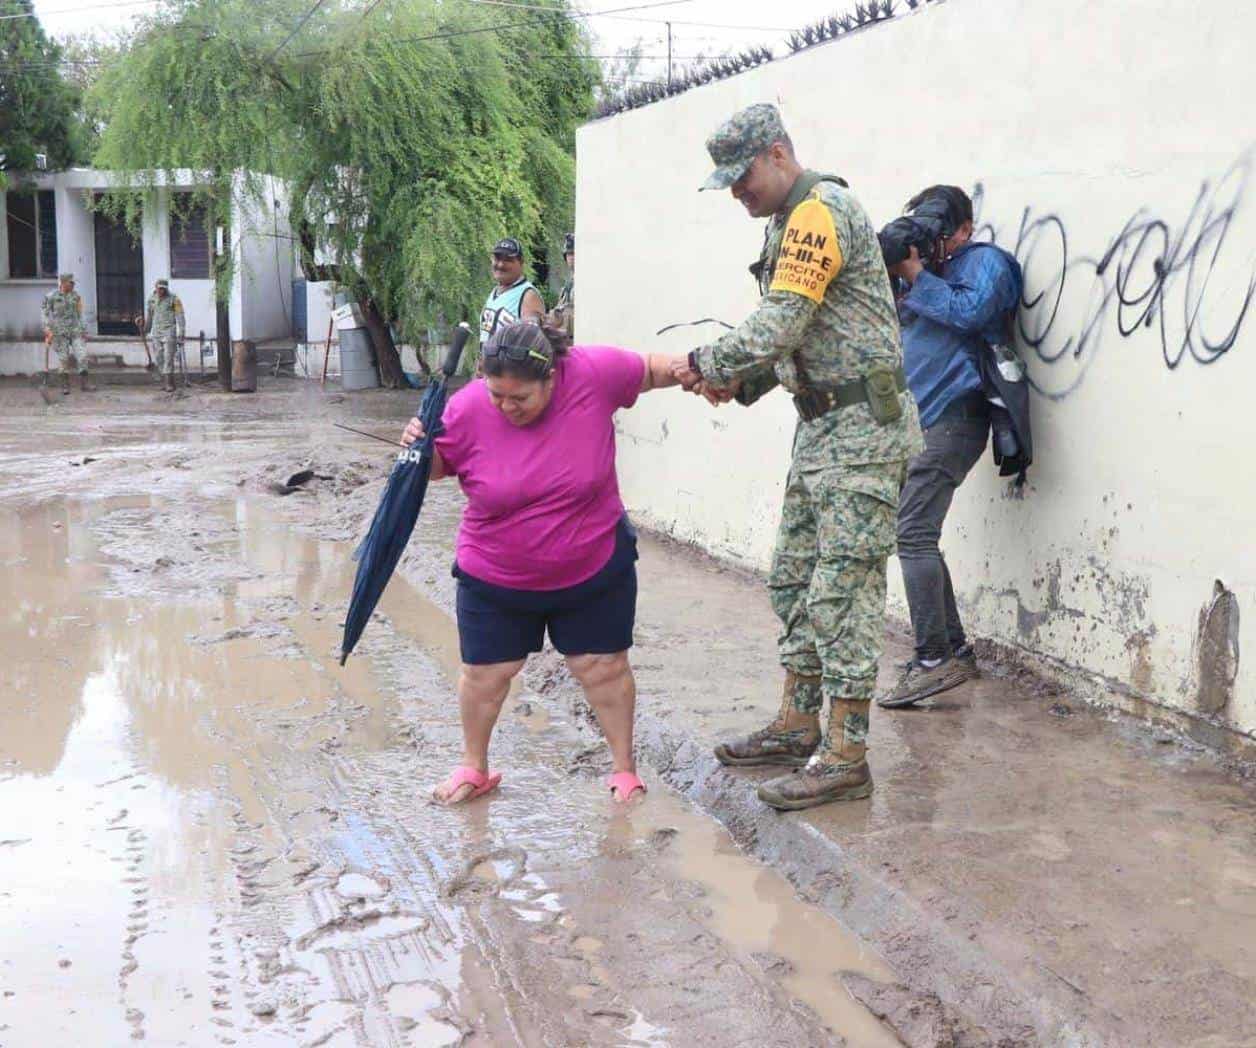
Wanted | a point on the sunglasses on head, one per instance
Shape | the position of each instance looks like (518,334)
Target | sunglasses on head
(516,353)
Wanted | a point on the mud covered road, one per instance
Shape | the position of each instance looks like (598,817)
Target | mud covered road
(211,834)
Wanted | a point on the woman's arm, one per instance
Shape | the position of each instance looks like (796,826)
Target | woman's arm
(659,372)
(663,371)
(413,432)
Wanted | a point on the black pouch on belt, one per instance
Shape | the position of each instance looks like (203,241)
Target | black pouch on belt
(882,389)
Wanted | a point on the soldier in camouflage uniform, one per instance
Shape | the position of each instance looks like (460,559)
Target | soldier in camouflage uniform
(167,325)
(826,331)
(64,331)
(563,315)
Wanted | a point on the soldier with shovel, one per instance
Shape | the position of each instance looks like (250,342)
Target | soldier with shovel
(64,330)
(167,324)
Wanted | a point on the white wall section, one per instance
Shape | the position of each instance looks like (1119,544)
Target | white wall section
(1111,147)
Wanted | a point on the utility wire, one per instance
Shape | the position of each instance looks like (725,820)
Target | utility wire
(76,10)
(300,25)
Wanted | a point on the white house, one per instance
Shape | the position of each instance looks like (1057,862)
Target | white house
(56,229)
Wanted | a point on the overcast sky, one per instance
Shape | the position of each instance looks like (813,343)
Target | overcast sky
(729,24)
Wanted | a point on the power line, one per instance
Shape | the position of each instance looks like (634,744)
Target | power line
(300,25)
(615,12)
(614,15)
(76,10)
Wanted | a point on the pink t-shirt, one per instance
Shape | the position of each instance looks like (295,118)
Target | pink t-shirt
(542,499)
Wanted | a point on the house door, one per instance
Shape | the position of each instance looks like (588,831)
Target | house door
(119,278)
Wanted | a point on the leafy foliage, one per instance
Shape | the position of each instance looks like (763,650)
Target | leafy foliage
(37,106)
(412,136)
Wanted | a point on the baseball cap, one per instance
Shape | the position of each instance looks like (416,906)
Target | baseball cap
(740,139)
(508,247)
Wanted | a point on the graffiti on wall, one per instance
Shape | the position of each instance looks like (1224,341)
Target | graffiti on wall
(1188,283)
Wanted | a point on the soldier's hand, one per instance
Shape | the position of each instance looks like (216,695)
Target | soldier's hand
(685,375)
(47,337)
(413,431)
(715,397)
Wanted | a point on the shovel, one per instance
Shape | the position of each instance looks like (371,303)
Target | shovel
(43,389)
(139,326)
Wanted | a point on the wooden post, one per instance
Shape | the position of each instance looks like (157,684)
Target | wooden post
(331,324)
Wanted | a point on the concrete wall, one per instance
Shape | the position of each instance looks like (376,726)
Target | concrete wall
(264,266)
(1112,150)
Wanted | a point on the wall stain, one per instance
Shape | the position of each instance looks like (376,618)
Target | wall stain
(1217,650)
(1139,647)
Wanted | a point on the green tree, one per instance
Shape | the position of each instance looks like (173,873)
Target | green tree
(84,57)
(37,105)
(412,134)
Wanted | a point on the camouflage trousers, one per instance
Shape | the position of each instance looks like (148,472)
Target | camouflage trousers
(828,577)
(166,351)
(71,353)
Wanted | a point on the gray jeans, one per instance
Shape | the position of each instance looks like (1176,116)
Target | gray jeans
(953,444)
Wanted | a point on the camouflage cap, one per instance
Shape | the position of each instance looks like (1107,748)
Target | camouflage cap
(163,282)
(66,276)
(739,140)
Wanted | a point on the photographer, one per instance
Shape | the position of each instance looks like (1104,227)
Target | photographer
(955,308)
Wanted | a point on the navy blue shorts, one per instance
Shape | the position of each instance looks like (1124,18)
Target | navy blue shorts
(500,624)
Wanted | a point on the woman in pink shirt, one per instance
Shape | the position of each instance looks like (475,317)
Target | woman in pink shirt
(544,543)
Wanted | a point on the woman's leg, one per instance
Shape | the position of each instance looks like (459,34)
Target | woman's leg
(612,692)
(481,692)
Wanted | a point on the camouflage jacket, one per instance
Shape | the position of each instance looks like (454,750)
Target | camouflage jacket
(165,316)
(63,314)
(567,296)
(826,318)
(565,307)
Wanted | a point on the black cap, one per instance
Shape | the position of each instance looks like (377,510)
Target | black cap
(569,244)
(508,247)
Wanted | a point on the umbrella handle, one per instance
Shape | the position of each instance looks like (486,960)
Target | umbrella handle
(454,356)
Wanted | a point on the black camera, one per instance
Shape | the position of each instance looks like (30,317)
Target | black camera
(934,215)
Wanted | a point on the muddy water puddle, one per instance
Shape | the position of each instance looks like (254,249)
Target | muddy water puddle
(210,833)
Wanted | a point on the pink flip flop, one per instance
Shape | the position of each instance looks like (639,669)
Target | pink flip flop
(627,783)
(464,775)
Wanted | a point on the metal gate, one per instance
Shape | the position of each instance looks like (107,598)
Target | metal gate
(119,278)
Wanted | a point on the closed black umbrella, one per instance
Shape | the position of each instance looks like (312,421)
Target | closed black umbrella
(399,507)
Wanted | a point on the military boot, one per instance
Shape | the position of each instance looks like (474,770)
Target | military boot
(65,384)
(839,769)
(791,738)
(167,383)
(85,383)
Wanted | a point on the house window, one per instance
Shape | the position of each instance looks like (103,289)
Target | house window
(32,228)
(190,248)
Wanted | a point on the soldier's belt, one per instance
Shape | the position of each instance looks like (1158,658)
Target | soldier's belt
(811,404)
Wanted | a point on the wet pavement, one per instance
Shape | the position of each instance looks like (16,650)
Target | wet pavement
(210,833)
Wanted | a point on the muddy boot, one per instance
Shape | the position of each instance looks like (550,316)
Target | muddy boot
(85,383)
(838,771)
(919,682)
(65,384)
(791,738)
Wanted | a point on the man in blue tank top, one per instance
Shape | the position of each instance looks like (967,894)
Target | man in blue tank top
(513,297)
